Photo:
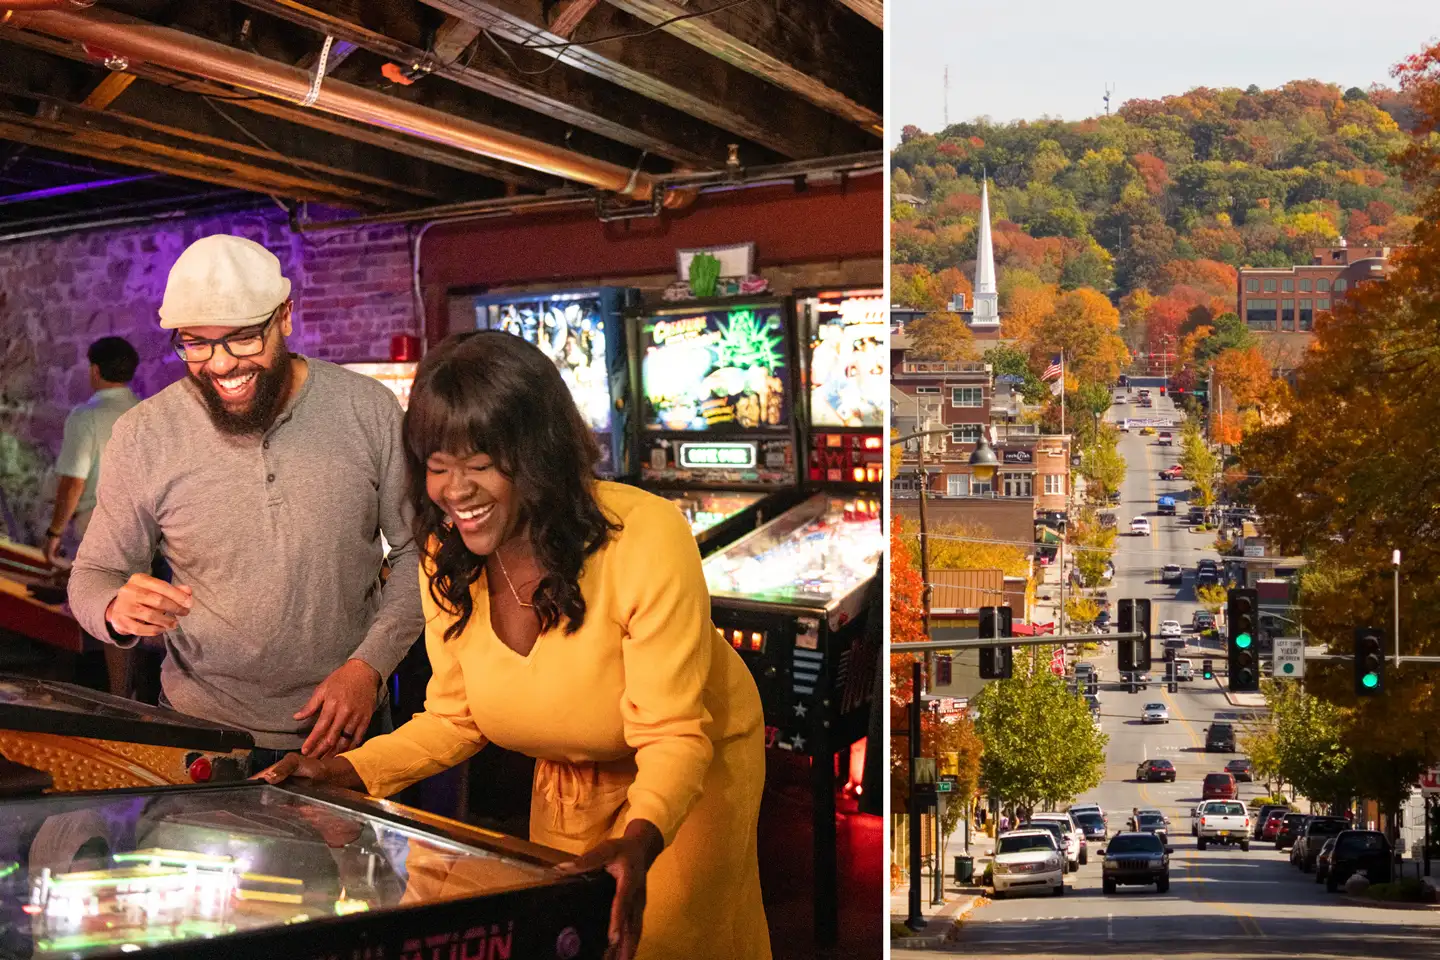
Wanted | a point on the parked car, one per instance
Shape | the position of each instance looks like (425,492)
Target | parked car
(1290,828)
(1172,472)
(1108,520)
(1085,669)
(1170,628)
(1102,622)
(1155,713)
(1220,738)
(1271,826)
(1225,822)
(1359,851)
(1219,786)
(1203,620)
(1027,860)
(1092,823)
(1241,770)
(1167,439)
(1307,845)
(1081,846)
(1068,842)
(1322,862)
(1140,526)
(1195,515)
(1206,578)
(1172,573)
(1089,808)
(1151,771)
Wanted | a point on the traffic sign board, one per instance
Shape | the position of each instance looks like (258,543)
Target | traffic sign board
(944,786)
(1289,658)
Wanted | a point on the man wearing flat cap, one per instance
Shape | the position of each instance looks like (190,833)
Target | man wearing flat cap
(266,479)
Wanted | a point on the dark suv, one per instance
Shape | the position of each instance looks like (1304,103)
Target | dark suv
(1316,831)
(1290,829)
(1220,738)
(1136,859)
(1152,770)
(1357,850)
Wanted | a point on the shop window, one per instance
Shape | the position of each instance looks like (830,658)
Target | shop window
(1269,285)
(1287,285)
(1305,285)
(1252,285)
(1322,285)
(965,433)
(1054,484)
(1341,285)
(957,485)
(1307,315)
(1287,314)
(1019,485)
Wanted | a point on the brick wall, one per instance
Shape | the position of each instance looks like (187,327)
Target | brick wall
(352,292)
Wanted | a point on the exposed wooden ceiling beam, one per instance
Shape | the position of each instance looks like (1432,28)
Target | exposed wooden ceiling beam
(362,133)
(568,14)
(872,10)
(559,94)
(451,39)
(191,164)
(803,46)
(667,70)
(107,90)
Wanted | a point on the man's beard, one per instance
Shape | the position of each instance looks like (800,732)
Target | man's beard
(271,385)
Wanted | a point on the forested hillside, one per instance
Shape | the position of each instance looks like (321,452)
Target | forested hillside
(1155,206)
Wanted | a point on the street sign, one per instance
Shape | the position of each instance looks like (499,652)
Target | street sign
(1430,782)
(1289,662)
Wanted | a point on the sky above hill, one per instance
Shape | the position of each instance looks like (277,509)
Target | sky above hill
(1012,61)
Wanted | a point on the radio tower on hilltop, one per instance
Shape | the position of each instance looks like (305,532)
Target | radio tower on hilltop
(947,95)
(1109,89)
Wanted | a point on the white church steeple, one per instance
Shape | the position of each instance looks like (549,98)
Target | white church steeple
(987,299)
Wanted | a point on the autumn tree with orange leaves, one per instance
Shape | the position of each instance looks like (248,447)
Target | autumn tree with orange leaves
(1349,471)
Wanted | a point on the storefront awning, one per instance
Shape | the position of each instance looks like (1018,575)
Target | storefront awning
(1044,534)
(1032,629)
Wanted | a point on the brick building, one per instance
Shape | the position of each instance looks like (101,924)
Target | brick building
(1287,299)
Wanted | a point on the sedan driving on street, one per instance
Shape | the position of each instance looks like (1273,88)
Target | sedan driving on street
(1171,573)
(1152,770)
(1027,860)
(1140,526)
(1174,472)
(1134,859)
(1170,628)
(1241,770)
(1152,822)
(1155,713)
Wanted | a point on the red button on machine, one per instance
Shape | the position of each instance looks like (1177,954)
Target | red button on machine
(200,770)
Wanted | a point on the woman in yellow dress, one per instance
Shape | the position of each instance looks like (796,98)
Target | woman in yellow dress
(567,618)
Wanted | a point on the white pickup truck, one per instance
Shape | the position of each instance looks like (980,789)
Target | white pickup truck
(1222,821)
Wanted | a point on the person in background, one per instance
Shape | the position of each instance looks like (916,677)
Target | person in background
(568,618)
(267,480)
(113,362)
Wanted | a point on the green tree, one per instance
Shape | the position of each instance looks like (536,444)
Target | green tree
(1006,360)
(1309,743)
(1211,597)
(1102,466)
(1040,744)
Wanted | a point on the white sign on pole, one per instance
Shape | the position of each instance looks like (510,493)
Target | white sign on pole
(1289,658)
(1430,782)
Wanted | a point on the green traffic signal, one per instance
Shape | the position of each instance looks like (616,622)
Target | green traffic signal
(1242,641)
(1370,680)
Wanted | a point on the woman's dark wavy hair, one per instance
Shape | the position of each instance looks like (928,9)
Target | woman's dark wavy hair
(494,393)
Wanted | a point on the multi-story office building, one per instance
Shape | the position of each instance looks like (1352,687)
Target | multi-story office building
(1288,299)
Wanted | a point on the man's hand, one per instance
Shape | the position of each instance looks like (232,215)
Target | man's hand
(148,607)
(345,701)
(52,551)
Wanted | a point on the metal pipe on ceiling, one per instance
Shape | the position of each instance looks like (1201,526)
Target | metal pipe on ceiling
(8,5)
(165,47)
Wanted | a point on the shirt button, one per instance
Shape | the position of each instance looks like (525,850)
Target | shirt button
(270,478)
(266,444)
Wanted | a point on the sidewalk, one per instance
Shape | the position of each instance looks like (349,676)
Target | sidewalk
(1251,701)
(943,920)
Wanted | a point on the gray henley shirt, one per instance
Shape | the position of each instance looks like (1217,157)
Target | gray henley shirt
(278,536)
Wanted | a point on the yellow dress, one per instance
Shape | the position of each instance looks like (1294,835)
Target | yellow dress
(643,713)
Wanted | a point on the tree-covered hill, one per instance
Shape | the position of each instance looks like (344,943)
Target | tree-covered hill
(1166,193)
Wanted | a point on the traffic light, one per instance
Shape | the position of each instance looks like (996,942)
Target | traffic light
(943,671)
(1134,615)
(1207,669)
(1369,662)
(1162,391)
(996,663)
(1241,609)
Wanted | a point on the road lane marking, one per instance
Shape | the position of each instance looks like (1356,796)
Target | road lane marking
(1110,927)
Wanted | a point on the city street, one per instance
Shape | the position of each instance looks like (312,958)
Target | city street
(1222,903)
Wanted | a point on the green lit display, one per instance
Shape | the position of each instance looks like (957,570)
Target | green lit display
(1371,680)
(1243,641)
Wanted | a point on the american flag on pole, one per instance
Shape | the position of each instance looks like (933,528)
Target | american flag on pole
(1054,370)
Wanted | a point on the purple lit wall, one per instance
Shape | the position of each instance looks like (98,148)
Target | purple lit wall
(352,292)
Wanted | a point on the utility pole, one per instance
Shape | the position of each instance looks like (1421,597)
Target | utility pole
(1396,558)
(916,920)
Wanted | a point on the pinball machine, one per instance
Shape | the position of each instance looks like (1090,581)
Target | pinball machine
(251,870)
(80,739)
(717,409)
(583,332)
(792,596)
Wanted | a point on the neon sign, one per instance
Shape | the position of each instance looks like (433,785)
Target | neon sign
(703,455)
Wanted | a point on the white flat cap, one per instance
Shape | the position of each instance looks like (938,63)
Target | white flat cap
(223,281)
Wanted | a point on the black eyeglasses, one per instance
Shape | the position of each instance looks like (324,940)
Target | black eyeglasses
(247,343)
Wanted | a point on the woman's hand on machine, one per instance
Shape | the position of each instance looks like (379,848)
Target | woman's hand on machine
(336,770)
(627,859)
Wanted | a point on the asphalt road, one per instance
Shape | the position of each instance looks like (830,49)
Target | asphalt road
(1222,903)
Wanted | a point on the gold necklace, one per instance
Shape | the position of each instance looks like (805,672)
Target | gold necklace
(510,583)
